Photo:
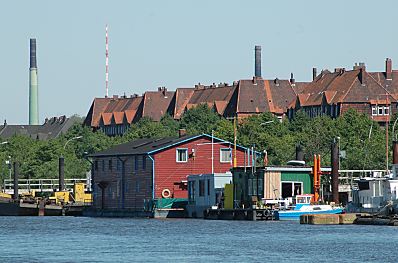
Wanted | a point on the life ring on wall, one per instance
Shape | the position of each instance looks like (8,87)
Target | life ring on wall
(166,193)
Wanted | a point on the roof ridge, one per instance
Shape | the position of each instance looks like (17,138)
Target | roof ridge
(349,88)
(380,84)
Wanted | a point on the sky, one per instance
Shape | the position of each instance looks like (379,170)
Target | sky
(179,44)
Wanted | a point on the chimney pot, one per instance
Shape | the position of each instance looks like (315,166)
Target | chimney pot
(314,74)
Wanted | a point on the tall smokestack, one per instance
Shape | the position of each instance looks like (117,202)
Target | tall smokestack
(257,62)
(33,86)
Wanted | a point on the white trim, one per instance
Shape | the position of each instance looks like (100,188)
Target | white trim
(186,150)
(230,155)
(295,169)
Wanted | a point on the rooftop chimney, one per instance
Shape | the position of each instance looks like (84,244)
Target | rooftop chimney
(182,132)
(314,73)
(257,62)
(388,69)
(292,80)
(33,86)
(361,76)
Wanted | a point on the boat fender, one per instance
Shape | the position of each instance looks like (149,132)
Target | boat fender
(265,212)
(166,193)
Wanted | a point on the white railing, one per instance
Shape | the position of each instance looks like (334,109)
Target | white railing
(42,185)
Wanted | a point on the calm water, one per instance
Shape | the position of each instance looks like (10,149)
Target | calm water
(70,239)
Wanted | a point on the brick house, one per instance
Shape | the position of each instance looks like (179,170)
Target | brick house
(333,93)
(126,177)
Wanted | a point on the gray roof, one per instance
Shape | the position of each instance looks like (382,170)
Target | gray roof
(51,128)
(149,146)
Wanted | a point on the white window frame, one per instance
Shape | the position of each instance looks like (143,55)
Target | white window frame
(230,155)
(186,155)
(380,110)
(374,111)
(386,110)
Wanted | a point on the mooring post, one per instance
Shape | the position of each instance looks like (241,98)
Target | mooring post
(395,152)
(16,175)
(335,171)
(61,176)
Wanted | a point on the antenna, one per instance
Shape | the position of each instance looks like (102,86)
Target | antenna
(106,62)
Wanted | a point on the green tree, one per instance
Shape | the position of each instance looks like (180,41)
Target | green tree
(200,119)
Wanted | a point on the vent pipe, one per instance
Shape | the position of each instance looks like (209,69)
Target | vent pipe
(299,153)
(257,62)
(292,80)
(314,73)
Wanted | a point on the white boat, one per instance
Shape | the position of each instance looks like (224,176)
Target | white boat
(304,207)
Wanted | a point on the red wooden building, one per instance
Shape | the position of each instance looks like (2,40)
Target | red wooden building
(129,176)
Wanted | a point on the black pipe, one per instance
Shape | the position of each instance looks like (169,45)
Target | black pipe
(314,74)
(335,171)
(16,175)
(61,176)
(33,62)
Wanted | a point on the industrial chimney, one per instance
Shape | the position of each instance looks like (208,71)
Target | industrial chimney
(257,62)
(33,86)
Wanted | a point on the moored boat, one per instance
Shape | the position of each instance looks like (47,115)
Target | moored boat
(303,206)
(306,209)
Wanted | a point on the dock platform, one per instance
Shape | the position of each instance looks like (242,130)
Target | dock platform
(328,219)
(239,214)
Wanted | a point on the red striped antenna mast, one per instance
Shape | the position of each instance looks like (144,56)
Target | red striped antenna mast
(106,62)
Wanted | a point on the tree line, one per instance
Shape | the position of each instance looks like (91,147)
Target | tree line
(362,139)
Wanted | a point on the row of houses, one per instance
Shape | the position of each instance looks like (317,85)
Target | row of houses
(329,93)
(242,98)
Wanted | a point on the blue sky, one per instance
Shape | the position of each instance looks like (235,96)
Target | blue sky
(178,44)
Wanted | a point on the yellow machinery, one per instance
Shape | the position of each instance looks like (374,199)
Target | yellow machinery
(5,196)
(79,195)
(60,197)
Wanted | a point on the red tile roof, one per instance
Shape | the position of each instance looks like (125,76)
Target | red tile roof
(343,86)
(111,105)
(156,104)
(182,97)
(118,117)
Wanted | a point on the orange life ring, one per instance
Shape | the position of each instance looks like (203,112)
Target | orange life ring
(166,193)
